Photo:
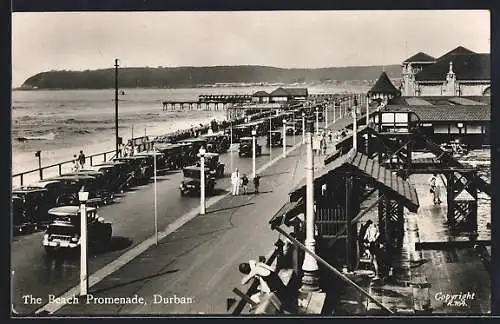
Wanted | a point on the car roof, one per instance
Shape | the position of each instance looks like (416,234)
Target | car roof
(68,210)
(27,189)
(74,176)
(194,167)
(43,183)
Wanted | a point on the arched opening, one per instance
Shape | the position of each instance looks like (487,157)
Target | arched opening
(487,91)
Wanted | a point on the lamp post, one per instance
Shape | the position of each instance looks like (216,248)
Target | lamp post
(317,120)
(354,129)
(156,196)
(334,108)
(39,155)
(83,196)
(270,136)
(310,266)
(254,148)
(367,112)
(303,127)
(116,105)
(201,155)
(231,145)
(284,137)
(326,115)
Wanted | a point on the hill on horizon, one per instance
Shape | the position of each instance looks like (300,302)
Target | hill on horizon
(190,76)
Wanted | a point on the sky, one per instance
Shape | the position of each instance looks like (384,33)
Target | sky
(288,39)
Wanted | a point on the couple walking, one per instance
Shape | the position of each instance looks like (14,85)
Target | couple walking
(238,181)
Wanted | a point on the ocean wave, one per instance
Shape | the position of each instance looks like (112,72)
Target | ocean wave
(47,137)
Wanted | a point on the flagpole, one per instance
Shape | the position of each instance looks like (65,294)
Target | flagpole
(156,199)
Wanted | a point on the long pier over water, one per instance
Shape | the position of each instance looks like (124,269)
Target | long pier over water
(207,102)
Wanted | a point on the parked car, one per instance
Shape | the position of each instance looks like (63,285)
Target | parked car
(115,173)
(192,181)
(213,164)
(140,168)
(172,154)
(217,143)
(246,147)
(160,158)
(31,205)
(64,230)
(72,184)
(275,138)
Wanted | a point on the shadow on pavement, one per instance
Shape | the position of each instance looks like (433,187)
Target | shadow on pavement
(135,280)
(228,208)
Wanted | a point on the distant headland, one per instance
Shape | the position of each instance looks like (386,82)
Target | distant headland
(182,77)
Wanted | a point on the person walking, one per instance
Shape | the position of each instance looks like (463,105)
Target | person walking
(363,243)
(235,181)
(330,135)
(372,236)
(435,188)
(244,183)
(81,159)
(256,183)
(76,164)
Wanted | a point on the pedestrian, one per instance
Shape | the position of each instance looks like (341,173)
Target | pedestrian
(76,164)
(330,135)
(269,281)
(435,188)
(256,183)
(363,243)
(81,159)
(372,237)
(244,183)
(235,179)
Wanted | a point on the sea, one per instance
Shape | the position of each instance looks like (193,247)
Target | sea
(60,123)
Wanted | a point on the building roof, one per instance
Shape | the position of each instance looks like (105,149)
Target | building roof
(455,51)
(260,93)
(384,85)
(420,57)
(297,92)
(286,92)
(457,113)
(383,179)
(465,66)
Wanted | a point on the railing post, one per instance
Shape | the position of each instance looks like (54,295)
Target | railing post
(91,160)
(60,168)
(104,156)
(22,178)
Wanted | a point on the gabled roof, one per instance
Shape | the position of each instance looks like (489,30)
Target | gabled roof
(456,113)
(384,85)
(465,66)
(420,57)
(458,50)
(383,179)
(297,92)
(286,92)
(260,93)
(280,92)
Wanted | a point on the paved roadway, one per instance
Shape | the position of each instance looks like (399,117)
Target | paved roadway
(200,260)
(133,222)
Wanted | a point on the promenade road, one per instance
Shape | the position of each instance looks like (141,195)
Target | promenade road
(200,260)
(33,273)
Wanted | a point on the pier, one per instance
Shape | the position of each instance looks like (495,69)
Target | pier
(206,102)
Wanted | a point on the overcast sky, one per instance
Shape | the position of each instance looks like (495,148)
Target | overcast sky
(301,39)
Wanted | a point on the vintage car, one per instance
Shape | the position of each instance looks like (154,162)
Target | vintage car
(213,164)
(217,143)
(54,187)
(115,175)
(241,131)
(191,182)
(275,138)
(160,158)
(32,203)
(195,144)
(140,168)
(63,233)
(73,183)
(173,154)
(246,147)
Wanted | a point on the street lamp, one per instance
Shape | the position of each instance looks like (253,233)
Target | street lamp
(354,129)
(334,108)
(83,196)
(254,147)
(116,105)
(303,127)
(284,137)
(460,126)
(270,136)
(326,115)
(201,155)
(310,266)
(39,155)
(231,145)
(317,120)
